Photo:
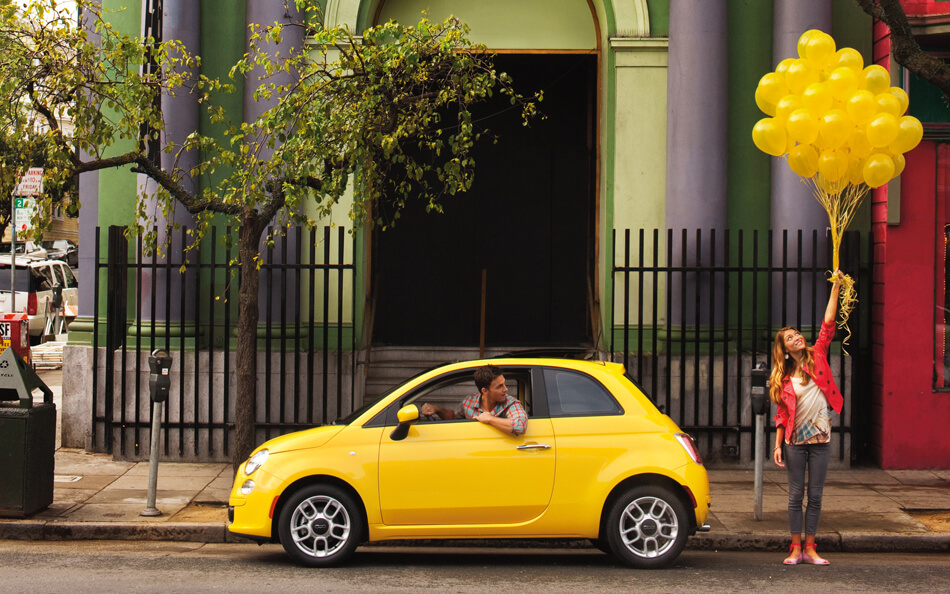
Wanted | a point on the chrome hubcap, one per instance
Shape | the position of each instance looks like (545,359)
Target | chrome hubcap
(648,527)
(320,526)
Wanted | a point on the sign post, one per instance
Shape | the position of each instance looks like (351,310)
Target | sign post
(31,184)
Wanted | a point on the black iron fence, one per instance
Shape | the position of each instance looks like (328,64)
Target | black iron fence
(186,304)
(693,313)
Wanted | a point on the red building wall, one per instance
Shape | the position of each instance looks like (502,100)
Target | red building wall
(909,419)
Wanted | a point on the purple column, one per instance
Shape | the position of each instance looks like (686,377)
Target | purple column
(697,144)
(268,13)
(793,205)
(181,21)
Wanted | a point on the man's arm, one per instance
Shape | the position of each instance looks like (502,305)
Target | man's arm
(446,414)
(515,421)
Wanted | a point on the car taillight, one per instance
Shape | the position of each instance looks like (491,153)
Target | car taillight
(687,442)
(31,304)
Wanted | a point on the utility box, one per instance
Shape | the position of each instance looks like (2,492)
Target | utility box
(27,439)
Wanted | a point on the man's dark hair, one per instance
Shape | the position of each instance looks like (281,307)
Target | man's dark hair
(484,376)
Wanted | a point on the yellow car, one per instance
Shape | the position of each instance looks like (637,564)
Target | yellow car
(597,461)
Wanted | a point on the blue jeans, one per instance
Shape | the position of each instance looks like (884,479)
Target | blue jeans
(813,457)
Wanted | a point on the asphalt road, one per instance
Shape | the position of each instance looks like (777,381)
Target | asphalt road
(92,566)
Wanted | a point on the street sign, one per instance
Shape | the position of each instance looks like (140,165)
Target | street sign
(31,182)
(23,209)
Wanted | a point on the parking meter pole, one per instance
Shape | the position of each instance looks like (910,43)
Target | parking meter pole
(150,509)
(159,384)
(760,406)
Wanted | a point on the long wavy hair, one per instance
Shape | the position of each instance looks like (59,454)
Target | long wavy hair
(782,366)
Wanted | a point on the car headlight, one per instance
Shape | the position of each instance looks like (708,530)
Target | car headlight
(255,462)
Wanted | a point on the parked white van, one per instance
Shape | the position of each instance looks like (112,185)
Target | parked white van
(35,281)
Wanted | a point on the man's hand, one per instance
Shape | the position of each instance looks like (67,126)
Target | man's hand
(485,417)
(428,409)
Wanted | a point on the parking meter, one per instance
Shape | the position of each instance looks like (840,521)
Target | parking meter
(57,300)
(760,397)
(159,383)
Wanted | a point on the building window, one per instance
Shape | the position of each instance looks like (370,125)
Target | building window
(941,316)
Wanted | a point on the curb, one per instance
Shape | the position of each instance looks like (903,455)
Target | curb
(61,531)
(218,533)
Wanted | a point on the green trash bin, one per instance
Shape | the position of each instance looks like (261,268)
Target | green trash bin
(27,440)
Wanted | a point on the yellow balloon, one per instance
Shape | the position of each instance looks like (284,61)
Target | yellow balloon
(910,132)
(835,128)
(859,145)
(888,103)
(787,105)
(843,82)
(803,159)
(882,130)
(769,136)
(817,97)
(851,58)
(831,187)
(773,87)
(899,163)
(766,107)
(833,164)
(819,48)
(902,99)
(878,170)
(799,75)
(782,66)
(856,170)
(875,78)
(861,107)
(803,42)
(802,125)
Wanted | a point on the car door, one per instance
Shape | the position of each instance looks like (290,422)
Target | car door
(463,472)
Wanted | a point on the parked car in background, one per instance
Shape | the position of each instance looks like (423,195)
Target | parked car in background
(62,249)
(598,460)
(35,281)
(30,249)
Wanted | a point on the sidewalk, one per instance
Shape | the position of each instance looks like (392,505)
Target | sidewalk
(864,509)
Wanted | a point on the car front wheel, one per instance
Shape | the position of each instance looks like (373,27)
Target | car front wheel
(320,526)
(647,527)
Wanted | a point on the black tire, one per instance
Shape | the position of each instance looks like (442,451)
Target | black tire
(647,527)
(320,526)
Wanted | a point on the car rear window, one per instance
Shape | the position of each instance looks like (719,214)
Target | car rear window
(23,278)
(572,394)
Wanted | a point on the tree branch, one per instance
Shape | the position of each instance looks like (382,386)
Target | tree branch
(904,47)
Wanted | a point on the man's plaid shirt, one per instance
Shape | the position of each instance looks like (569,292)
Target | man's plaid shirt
(509,408)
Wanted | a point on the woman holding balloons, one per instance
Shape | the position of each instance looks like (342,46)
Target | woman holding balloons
(804,393)
(843,129)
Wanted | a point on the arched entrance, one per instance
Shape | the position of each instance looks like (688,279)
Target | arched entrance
(521,243)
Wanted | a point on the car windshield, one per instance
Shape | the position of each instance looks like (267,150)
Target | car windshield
(356,413)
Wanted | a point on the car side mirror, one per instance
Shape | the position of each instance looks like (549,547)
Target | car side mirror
(407,415)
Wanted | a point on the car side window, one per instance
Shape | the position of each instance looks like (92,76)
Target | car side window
(572,394)
(449,392)
(42,278)
(70,279)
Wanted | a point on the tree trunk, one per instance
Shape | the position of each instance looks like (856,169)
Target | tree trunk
(245,406)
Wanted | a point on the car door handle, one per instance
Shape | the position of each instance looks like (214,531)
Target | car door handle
(535,446)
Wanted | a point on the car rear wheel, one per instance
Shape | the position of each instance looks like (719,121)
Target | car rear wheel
(320,526)
(647,527)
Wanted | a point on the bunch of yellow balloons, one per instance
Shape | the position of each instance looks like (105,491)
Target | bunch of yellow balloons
(838,121)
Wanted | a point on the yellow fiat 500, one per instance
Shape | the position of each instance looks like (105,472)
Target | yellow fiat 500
(597,460)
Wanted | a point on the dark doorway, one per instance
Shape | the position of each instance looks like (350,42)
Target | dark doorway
(528,222)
